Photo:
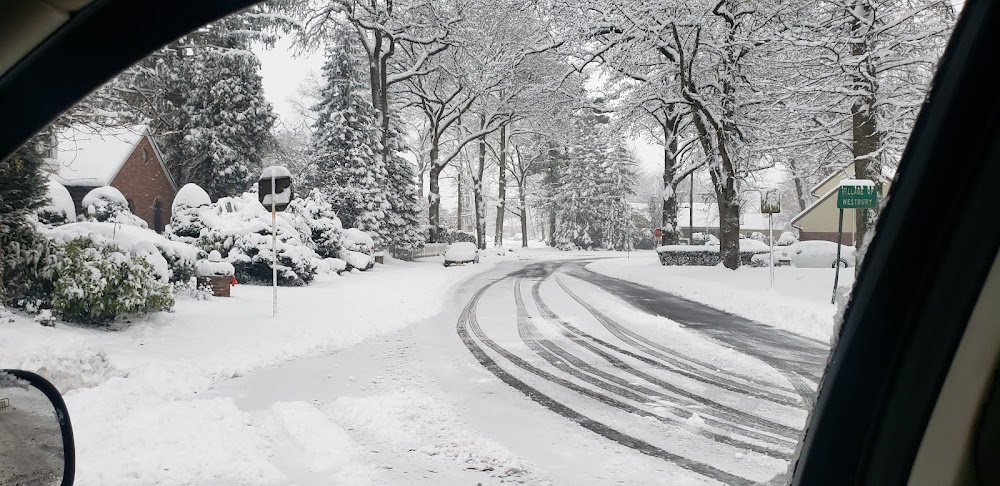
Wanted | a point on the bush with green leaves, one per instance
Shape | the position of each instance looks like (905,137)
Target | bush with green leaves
(96,283)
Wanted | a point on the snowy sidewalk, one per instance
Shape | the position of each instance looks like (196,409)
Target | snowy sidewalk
(800,301)
(134,394)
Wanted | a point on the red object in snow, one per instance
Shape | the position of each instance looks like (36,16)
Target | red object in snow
(658,233)
(233,282)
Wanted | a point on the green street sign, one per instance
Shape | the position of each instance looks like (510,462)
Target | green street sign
(857,194)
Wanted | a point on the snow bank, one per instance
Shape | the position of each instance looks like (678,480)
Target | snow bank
(319,444)
(190,196)
(800,302)
(145,421)
(412,420)
(60,201)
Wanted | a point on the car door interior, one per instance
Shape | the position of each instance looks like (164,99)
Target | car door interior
(91,46)
(908,313)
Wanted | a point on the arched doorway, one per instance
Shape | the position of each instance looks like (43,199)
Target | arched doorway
(158,224)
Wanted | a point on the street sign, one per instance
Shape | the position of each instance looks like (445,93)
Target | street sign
(274,189)
(770,202)
(857,194)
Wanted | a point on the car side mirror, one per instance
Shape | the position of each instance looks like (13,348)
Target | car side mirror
(36,437)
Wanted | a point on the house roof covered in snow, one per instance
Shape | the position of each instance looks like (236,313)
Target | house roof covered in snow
(91,156)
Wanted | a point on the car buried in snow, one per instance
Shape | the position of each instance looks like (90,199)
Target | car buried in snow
(461,253)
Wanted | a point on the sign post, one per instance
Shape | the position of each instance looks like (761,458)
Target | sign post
(851,194)
(274,189)
(770,203)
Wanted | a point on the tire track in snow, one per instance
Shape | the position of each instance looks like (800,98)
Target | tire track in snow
(559,357)
(467,321)
(735,420)
(678,360)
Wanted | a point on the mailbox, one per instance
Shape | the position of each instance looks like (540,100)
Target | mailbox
(281,180)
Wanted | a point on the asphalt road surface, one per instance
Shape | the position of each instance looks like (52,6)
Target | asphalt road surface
(629,385)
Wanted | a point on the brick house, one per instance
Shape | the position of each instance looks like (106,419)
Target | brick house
(125,158)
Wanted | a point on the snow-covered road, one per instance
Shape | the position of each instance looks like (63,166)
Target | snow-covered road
(539,373)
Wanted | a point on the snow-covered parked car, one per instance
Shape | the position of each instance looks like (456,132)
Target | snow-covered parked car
(460,253)
(817,254)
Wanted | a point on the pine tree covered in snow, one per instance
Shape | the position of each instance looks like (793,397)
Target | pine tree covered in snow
(22,191)
(401,228)
(592,209)
(203,98)
(228,120)
(346,162)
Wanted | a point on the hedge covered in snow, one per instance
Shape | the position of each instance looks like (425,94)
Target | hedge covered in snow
(697,255)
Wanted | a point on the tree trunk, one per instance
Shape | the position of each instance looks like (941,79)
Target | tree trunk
(477,190)
(668,220)
(524,216)
(800,192)
(729,230)
(434,211)
(459,216)
(502,191)
(866,138)
(434,198)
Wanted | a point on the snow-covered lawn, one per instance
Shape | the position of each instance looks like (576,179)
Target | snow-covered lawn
(134,396)
(800,301)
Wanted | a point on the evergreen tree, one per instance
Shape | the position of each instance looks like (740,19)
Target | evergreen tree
(203,97)
(22,191)
(346,163)
(228,121)
(402,223)
(593,185)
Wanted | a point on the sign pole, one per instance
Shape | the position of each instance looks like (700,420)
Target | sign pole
(274,249)
(836,263)
(770,239)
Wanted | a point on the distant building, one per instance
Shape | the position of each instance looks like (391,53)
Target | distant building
(706,219)
(125,158)
(819,220)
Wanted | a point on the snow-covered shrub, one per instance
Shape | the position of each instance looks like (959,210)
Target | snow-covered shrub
(107,204)
(240,230)
(787,238)
(60,208)
(179,257)
(318,215)
(252,258)
(330,265)
(186,223)
(757,235)
(96,283)
(359,241)
(705,256)
(28,258)
(356,259)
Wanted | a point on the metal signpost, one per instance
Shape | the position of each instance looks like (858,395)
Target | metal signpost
(770,203)
(851,194)
(274,189)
